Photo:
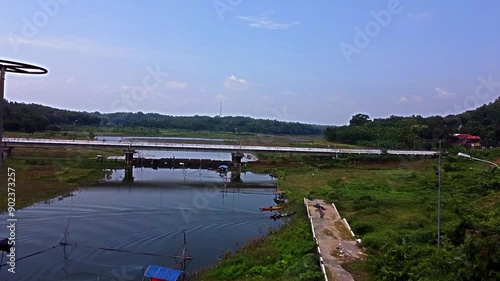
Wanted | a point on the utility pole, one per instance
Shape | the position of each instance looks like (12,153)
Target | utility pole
(220,110)
(3,69)
(439,198)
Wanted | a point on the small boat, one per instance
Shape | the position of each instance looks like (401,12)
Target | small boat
(279,201)
(276,215)
(279,197)
(270,208)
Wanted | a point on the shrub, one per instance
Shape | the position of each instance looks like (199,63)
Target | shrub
(362,227)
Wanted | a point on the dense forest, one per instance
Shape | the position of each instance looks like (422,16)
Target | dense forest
(417,132)
(413,132)
(34,117)
(207,123)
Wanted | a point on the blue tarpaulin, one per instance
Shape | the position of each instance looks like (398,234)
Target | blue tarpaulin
(223,167)
(162,273)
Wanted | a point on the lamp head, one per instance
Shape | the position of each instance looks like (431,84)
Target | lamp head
(464,155)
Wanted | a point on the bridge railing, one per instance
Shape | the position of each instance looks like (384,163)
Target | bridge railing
(219,147)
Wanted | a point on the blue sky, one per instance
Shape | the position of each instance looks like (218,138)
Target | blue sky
(317,62)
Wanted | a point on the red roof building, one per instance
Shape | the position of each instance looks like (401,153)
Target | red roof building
(465,140)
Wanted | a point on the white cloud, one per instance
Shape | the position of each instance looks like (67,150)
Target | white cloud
(264,22)
(221,97)
(234,83)
(422,15)
(444,94)
(125,88)
(175,85)
(413,98)
(403,99)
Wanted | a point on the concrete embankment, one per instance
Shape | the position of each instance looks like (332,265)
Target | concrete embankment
(335,240)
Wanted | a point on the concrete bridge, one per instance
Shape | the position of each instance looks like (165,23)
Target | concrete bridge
(9,143)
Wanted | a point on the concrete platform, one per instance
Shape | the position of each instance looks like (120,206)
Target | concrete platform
(336,243)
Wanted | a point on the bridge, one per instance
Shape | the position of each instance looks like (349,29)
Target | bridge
(9,143)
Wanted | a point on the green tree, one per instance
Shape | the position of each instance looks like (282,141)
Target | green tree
(359,119)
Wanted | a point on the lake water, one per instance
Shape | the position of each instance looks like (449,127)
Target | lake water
(148,215)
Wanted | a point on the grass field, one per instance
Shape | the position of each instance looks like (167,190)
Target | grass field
(392,206)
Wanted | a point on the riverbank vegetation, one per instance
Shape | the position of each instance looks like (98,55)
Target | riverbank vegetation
(417,132)
(44,174)
(391,205)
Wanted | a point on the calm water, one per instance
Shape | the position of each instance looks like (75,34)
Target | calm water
(146,215)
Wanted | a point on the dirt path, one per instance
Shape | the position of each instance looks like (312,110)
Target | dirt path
(336,243)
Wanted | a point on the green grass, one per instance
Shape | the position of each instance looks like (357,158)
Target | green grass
(287,254)
(391,204)
(42,174)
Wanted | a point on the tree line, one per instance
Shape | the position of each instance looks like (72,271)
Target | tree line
(34,117)
(417,132)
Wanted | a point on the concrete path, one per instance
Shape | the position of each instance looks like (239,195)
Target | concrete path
(335,240)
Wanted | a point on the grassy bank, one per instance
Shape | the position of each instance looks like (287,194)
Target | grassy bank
(391,204)
(42,174)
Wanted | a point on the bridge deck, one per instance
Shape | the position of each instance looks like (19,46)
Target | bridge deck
(144,145)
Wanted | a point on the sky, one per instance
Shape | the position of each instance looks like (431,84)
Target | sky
(316,62)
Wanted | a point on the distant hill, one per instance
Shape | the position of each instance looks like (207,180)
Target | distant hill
(393,132)
(419,132)
(35,117)
(207,123)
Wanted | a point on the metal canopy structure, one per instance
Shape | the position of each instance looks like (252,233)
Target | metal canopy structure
(13,67)
(158,273)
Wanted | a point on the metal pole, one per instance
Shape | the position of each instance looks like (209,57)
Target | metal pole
(485,161)
(3,69)
(439,198)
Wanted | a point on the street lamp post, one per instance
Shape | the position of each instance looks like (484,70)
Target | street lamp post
(477,159)
(14,67)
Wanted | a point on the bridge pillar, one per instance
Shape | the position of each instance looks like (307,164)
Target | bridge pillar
(129,175)
(6,152)
(236,166)
(129,157)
